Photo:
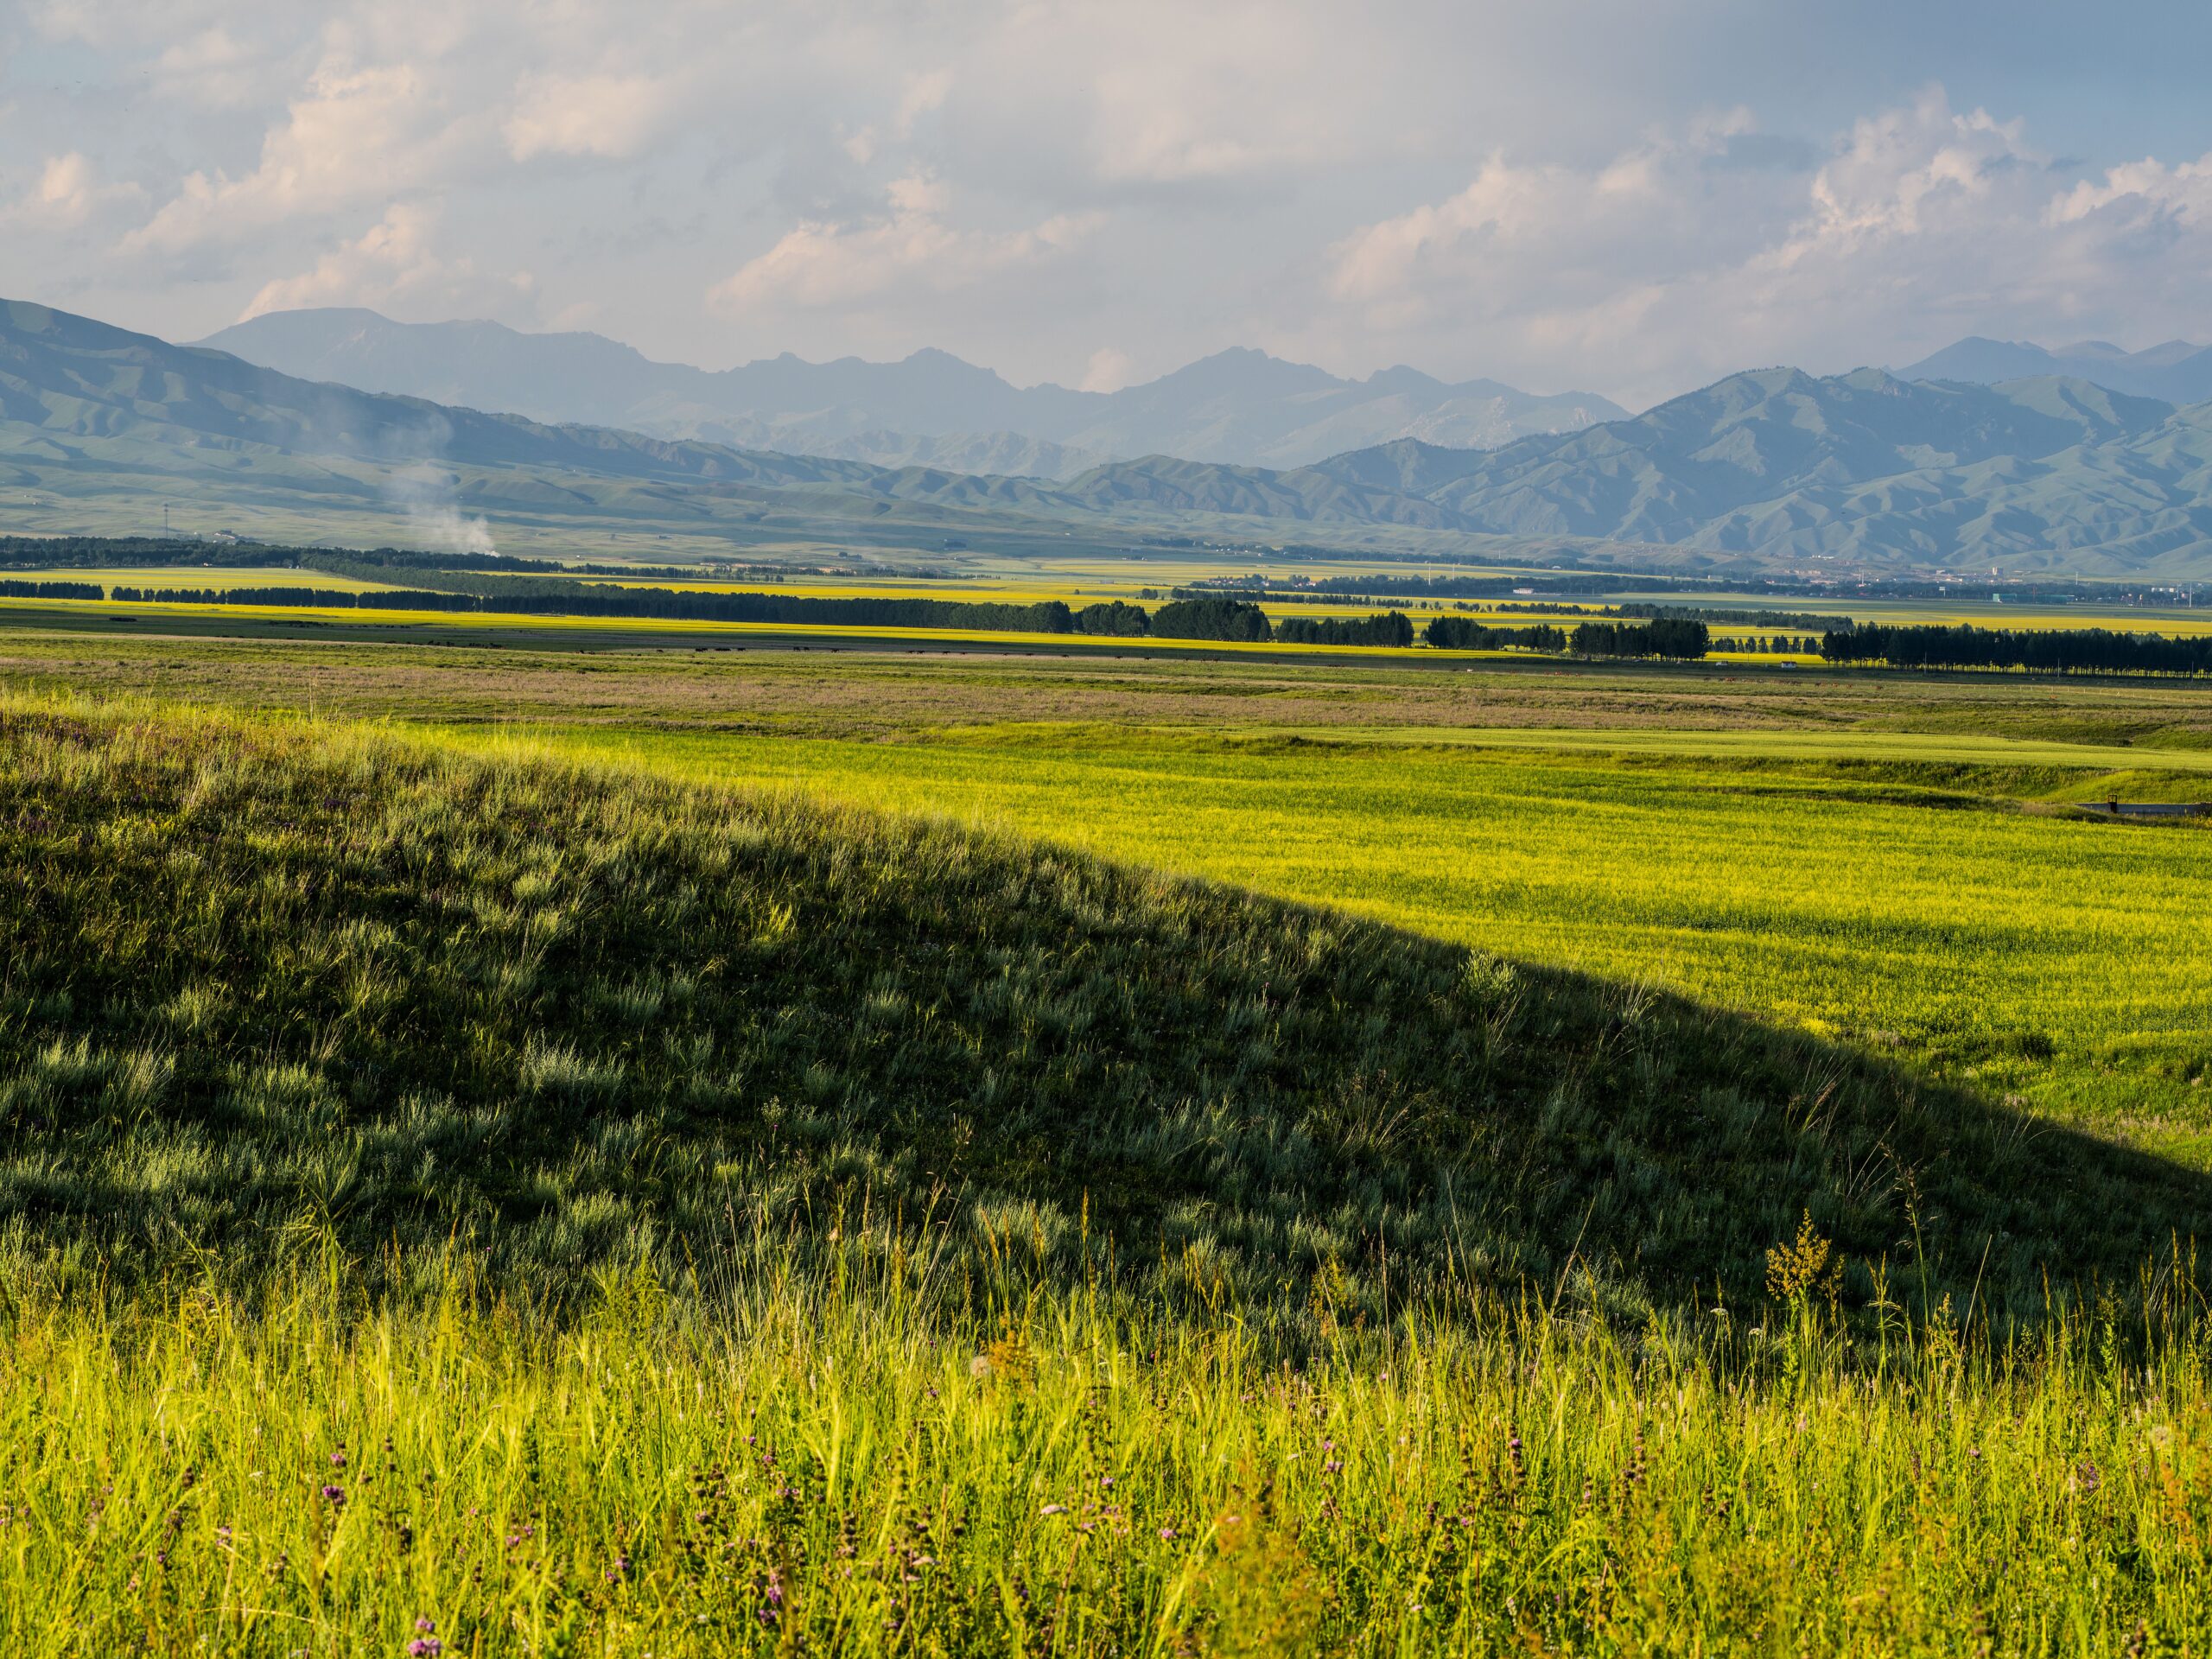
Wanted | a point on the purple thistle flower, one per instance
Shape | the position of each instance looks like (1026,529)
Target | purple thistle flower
(334,1495)
(425,1647)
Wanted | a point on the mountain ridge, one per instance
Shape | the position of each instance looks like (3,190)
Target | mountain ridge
(2177,372)
(1238,406)
(1768,470)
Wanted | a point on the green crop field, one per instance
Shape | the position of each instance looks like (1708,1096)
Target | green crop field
(616,1151)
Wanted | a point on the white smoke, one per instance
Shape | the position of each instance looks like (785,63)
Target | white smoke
(426,494)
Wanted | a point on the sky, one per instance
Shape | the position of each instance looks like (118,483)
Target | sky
(1627,198)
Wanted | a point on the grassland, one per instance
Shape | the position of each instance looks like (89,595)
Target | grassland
(260,972)
(811,1462)
(709,1217)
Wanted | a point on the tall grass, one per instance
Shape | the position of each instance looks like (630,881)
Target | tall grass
(810,1458)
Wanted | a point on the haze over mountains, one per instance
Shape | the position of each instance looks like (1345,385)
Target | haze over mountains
(1241,407)
(1772,470)
(2177,371)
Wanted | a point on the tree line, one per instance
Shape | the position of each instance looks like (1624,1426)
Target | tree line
(1815,619)
(50,590)
(1778,644)
(2056,650)
(1207,619)
(340,599)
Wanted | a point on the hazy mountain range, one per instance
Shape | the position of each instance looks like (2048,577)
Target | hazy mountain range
(1242,407)
(2177,372)
(1774,469)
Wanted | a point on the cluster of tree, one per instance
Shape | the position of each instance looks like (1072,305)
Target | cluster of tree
(1210,618)
(2057,651)
(1390,628)
(1676,637)
(50,590)
(1464,633)
(1114,618)
(1779,644)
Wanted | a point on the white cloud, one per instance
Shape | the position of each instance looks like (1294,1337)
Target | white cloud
(69,192)
(211,66)
(395,261)
(357,134)
(1664,265)
(1524,192)
(911,248)
(585,114)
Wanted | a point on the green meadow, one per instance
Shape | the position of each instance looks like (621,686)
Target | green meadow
(629,1153)
(1902,898)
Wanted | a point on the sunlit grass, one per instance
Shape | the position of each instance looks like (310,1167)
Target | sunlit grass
(808,1460)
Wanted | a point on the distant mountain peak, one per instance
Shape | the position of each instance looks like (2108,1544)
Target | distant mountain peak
(1241,405)
(2177,371)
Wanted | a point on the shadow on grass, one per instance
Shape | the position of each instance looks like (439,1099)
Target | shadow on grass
(265,977)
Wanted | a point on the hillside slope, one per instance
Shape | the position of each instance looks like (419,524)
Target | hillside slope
(260,972)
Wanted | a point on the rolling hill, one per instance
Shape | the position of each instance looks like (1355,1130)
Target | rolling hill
(1241,408)
(265,970)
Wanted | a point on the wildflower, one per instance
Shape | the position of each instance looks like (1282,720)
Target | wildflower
(1166,1534)
(426,1644)
(334,1495)
(338,1458)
